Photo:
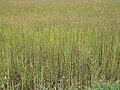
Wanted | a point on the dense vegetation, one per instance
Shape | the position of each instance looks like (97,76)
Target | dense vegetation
(60,45)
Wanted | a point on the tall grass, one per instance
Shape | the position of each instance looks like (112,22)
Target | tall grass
(52,45)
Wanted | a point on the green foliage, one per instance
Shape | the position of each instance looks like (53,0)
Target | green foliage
(106,86)
(59,44)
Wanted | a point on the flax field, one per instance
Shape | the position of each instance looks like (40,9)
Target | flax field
(59,45)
